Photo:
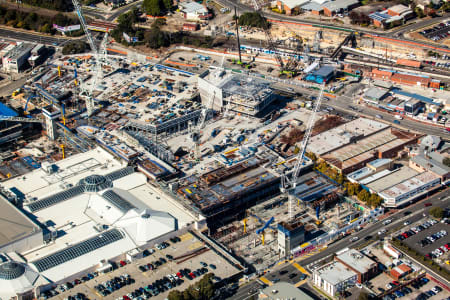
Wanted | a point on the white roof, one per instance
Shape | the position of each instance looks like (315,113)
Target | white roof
(294,3)
(89,260)
(192,7)
(9,288)
(70,170)
(342,135)
(146,225)
(335,272)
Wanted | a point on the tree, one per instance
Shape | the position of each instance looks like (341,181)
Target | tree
(352,188)
(437,212)
(363,296)
(374,200)
(152,7)
(74,47)
(446,161)
(419,12)
(175,295)
(363,195)
(253,19)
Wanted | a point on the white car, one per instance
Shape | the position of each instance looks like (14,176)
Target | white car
(388,221)
(382,231)
(406,223)
(354,239)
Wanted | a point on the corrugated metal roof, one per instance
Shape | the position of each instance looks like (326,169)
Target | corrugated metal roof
(7,111)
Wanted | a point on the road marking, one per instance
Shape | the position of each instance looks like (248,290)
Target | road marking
(300,268)
(300,283)
(265,280)
(186,236)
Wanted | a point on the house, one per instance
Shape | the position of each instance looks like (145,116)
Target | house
(190,27)
(194,11)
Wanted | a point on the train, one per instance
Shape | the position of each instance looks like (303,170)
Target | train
(252,49)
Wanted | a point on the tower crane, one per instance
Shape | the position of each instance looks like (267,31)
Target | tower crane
(98,67)
(287,183)
(288,68)
(196,134)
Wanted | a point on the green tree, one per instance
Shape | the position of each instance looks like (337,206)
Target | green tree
(363,296)
(374,200)
(437,212)
(419,12)
(175,295)
(152,7)
(352,188)
(253,19)
(363,195)
(446,161)
(45,28)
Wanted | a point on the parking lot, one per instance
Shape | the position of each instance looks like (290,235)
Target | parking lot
(438,32)
(414,240)
(412,291)
(188,244)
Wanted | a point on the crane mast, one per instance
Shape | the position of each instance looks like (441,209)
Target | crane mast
(201,122)
(89,99)
(270,42)
(290,183)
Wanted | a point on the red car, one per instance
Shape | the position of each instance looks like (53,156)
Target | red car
(447,246)
(122,263)
(395,282)
(192,275)
(179,275)
(125,297)
(428,204)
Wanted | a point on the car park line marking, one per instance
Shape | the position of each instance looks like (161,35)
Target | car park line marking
(95,292)
(300,283)
(196,245)
(186,236)
(265,280)
(300,268)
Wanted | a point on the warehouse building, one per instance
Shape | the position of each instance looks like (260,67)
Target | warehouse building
(331,8)
(15,60)
(338,137)
(410,189)
(384,144)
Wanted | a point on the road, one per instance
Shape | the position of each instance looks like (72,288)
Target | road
(415,213)
(342,104)
(29,37)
